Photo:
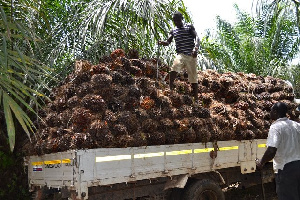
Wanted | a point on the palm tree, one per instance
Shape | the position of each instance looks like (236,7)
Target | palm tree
(295,79)
(21,74)
(290,8)
(263,45)
(265,6)
(102,26)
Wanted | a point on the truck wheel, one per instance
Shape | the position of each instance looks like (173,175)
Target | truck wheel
(204,189)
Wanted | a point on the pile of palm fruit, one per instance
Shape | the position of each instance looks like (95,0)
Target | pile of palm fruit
(124,102)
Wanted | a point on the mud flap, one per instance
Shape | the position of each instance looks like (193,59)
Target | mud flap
(176,181)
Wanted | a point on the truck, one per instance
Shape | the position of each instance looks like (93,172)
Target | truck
(180,171)
(173,170)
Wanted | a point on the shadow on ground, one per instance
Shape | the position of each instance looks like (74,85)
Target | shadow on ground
(252,193)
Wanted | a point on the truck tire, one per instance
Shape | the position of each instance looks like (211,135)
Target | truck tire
(204,189)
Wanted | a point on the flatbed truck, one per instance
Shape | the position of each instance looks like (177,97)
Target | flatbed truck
(180,171)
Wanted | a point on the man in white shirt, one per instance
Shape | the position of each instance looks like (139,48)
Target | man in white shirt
(283,146)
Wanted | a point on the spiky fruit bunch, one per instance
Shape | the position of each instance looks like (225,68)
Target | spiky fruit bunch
(124,141)
(99,69)
(73,102)
(52,120)
(182,87)
(98,127)
(79,78)
(176,100)
(166,124)
(121,102)
(172,136)
(81,119)
(120,129)
(188,136)
(118,53)
(218,109)
(100,81)
(130,120)
(94,103)
(147,103)
(65,117)
(133,54)
(117,77)
(200,111)
(83,89)
(232,95)
(156,138)
(149,125)
(150,70)
(207,98)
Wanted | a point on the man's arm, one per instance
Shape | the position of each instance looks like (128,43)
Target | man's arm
(194,33)
(167,42)
(197,43)
(268,156)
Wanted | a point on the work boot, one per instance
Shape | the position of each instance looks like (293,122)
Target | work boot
(173,75)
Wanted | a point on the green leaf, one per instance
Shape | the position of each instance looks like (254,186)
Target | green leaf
(9,122)
(5,52)
(21,116)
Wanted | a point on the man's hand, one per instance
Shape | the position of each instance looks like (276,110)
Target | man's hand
(268,156)
(195,52)
(164,43)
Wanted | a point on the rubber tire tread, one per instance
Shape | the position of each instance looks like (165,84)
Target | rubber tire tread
(193,191)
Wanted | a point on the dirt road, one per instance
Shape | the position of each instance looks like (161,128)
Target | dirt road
(252,193)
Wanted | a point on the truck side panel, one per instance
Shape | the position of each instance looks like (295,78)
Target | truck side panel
(107,166)
(110,166)
(53,170)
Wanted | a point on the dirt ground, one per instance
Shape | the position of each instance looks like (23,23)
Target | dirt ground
(252,193)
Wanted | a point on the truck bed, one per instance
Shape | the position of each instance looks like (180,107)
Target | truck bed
(80,169)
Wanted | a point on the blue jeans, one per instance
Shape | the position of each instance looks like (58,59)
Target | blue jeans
(288,181)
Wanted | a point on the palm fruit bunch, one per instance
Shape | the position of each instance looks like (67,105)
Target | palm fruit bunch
(125,101)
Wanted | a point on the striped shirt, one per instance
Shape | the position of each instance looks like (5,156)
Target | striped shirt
(185,41)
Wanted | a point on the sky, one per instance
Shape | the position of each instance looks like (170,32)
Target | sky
(204,12)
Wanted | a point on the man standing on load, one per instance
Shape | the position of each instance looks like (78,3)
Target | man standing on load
(284,148)
(187,45)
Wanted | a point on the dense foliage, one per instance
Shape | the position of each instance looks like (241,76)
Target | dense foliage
(263,45)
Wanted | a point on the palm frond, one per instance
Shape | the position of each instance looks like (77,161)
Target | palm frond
(263,45)
(105,25)
(20,72)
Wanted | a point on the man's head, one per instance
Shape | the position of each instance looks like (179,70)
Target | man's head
(177,19)
(278,110)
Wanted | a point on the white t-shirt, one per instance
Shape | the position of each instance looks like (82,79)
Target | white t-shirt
(284,134)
